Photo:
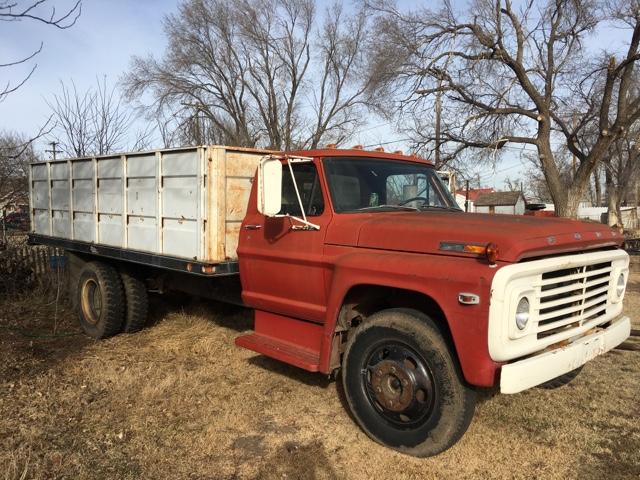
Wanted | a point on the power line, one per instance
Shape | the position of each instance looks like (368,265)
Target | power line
(407,138)
(372,128)
(523,146)
(386,143)
(484,177)
(491,174)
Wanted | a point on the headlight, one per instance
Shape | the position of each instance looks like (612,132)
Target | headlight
(620,285)
(522,313)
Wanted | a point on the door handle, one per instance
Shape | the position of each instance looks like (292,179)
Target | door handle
(252,227)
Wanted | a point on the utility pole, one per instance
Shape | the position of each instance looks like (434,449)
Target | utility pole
(466,196)
(574,160)
(438,117)
(3,242)
(54,150)
(198,131)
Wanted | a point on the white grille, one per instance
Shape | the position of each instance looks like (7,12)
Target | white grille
(569,297)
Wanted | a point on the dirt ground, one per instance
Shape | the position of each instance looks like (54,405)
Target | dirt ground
(179,400)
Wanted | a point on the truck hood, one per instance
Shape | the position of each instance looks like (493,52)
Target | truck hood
(517,236)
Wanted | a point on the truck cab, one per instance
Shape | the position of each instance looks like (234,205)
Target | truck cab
(363,261)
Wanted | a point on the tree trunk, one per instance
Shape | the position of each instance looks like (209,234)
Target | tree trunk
(613,201)
(566,198)
(597,187)
(566,205)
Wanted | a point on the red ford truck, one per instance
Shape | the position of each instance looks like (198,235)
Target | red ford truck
(354,261)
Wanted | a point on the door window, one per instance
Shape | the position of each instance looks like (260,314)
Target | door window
(308,183)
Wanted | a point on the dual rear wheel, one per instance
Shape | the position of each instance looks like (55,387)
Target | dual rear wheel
(110,301)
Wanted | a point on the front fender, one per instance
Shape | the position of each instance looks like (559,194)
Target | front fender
(439,277)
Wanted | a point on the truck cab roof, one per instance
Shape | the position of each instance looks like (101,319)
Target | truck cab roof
(357,152)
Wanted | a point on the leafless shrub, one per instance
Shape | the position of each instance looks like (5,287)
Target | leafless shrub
(25,269)
(16,152)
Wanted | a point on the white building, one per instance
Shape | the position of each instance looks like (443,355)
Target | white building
(461,196)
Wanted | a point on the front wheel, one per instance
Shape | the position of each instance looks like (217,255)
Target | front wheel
(403,384)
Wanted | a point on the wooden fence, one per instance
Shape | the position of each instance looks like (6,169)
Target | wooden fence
(40,259)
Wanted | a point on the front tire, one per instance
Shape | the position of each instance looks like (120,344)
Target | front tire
(404,386)
(100,300)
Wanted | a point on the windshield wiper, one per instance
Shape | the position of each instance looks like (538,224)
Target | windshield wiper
(395,207)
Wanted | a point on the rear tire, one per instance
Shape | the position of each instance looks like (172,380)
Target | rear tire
(137,302)
(403,384)
(562,380)
(100,300)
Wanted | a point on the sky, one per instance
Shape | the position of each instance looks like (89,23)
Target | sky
(102,42)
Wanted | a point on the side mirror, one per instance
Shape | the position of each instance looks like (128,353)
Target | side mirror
(270,186)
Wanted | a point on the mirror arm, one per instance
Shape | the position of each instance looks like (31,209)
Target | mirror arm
(306,225)
(295,187)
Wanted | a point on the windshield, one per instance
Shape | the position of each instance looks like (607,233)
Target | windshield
(367,184)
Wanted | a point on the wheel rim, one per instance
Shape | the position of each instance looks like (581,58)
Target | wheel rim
(399,385)
(91,301)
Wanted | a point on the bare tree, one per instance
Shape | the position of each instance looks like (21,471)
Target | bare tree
(513,184)
(165,130)
(16,152)
(240,72)
(533,180)
(520,76)
(71,113)
(621,173)
(94,122)
(17,11)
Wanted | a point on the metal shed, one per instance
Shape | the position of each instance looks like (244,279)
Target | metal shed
(500,202)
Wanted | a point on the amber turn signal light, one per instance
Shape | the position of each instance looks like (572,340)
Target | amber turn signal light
(477,249)
(491,253)
(489,250)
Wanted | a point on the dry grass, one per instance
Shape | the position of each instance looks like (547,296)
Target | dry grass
(179,400)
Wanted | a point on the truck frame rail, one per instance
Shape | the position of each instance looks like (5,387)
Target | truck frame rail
(147,259)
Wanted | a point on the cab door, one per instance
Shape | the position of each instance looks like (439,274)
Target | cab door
(282,268)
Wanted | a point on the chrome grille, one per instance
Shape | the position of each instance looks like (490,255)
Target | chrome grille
(567,298)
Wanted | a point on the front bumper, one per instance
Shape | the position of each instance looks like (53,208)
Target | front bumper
(518,376)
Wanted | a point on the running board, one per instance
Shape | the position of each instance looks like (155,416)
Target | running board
(287,339)
(283,351)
